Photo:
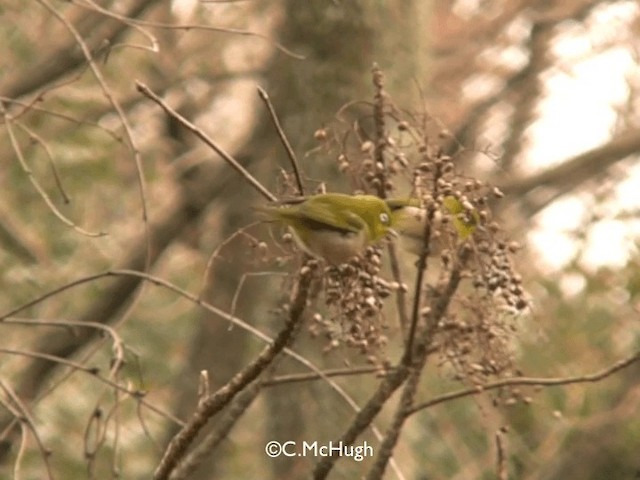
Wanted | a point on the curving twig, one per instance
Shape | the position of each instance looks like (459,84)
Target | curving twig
(20,410)
(8,120)
(137,23)
(533,381)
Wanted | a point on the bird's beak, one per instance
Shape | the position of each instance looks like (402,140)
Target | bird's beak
(393,233)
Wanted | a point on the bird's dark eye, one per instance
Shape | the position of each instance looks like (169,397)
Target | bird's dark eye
(384,218)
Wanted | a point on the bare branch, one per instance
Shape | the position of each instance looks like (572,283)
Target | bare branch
(59,62)
(142,88)
(218,400)
(338,372)
(542,382)
(283,138)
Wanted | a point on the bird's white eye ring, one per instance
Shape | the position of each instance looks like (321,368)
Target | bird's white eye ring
(384,218)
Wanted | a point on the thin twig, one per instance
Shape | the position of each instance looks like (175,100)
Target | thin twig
(401,292)
(92,438)
(421,267)
(116,105)
(21,412)
(380,136)
(338,372)
(118,344)
(137,394)
(134,22)
(241,282)
(22,448)
(283,138)
(130,22)
(8,120)
(216,252)
(146,91)
(540,382)
(52,164)
(31,107)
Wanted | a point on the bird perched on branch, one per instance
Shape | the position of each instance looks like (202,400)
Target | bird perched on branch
(334,226)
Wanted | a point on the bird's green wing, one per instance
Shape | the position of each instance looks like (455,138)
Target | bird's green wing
(330,216)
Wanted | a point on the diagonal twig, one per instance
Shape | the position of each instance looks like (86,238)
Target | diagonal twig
(292,156)
(146,91)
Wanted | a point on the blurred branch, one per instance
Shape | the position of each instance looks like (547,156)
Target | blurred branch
(18,240)
(575,171)
(118,344)
(459,59)
(97,29)
(528,92)
(94,372)
(501,458)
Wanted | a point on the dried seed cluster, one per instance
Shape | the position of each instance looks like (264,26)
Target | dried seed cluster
(401,154)
(476,337)
(498,276)
(354,294)
(476,343)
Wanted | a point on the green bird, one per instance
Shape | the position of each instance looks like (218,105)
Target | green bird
(334,226)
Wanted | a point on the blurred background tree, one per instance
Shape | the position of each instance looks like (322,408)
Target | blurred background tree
(538,98)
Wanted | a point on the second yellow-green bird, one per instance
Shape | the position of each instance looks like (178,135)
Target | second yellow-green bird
(409,220)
